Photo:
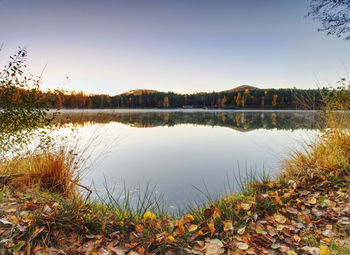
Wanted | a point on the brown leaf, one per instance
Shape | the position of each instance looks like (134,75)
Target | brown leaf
(312,200)
(284,248)
(208,212)
(211,228)
(139,228)
(213,247)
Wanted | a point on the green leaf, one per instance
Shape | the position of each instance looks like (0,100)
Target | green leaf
(260,230)
(18,246)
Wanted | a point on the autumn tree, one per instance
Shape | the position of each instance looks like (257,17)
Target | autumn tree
(166,103)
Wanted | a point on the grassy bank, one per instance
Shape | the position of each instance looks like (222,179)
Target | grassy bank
(304,210)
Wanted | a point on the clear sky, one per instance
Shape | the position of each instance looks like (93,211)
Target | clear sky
(112,46)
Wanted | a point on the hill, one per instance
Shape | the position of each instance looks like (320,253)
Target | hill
(139,92)
(240,88)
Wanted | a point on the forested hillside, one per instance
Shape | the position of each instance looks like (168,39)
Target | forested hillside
(231,99)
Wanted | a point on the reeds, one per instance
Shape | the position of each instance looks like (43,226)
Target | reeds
(56,171)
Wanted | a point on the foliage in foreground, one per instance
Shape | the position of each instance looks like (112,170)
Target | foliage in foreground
(23,107)
(280,217)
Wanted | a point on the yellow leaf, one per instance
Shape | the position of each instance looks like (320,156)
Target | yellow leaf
(260,230)
(228,226)
(326,240)
(279,218)
(297,238)
(149,216)
(324,250)
(292,253)
(245,206)
(330,203)
(280,227)
(188,218)
(170,239)
(192,228)
(312,200)
(200,233)
(287,195)
(216,214)
(328,226)
(278,200)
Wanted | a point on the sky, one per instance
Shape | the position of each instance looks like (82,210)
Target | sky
(185,46)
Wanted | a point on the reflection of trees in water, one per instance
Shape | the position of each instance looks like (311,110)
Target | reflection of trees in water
(236,120)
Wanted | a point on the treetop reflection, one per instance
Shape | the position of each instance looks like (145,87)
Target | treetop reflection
(238,120)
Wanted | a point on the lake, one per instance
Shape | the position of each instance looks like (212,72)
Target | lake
(186,152)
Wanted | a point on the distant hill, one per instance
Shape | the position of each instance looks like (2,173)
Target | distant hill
(240,88)
(139,92)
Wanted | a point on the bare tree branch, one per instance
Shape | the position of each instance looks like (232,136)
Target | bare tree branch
(334,16)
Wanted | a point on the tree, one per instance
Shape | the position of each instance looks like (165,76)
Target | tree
(23,106)
(334,16)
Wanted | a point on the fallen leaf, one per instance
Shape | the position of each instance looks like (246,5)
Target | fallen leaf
(188,218)
(245,206)
(139,228)
(208,212)
(211,228)
(312,200)
(311,250)
(149,216)
(192,228)
(228,226)
(324,250)
(170,239)
(327,233)
(284,248)
(297,238)
(279,218)
(103,251)
(5,221)
(260,230)
(213,247)
(241,231)
(242,246)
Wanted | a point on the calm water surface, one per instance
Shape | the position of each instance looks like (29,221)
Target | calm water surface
(178,150)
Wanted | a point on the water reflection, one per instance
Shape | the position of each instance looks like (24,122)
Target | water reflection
(238,120)
(179,149)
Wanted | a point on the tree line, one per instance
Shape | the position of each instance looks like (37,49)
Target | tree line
(247,99)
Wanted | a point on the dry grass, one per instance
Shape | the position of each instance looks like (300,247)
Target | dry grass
(329,154)
(55,171)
